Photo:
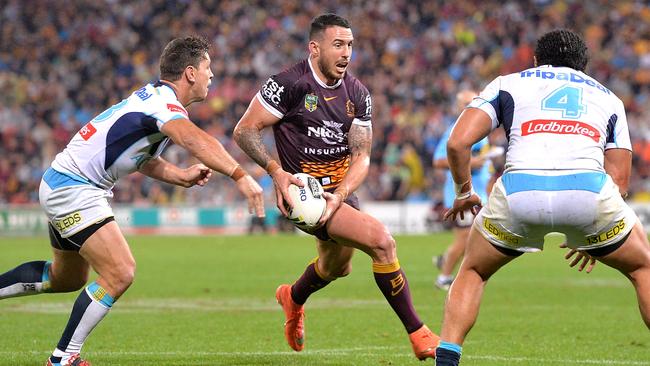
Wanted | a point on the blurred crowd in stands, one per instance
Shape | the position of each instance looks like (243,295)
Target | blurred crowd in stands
(62,62)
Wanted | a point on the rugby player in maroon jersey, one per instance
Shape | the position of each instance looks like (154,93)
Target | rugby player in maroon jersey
(321,119)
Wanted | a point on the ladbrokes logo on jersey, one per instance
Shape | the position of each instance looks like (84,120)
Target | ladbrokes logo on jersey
(560,127)
(87,131)
(176,108)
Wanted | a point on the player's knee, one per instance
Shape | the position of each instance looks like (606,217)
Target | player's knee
(640,276)
(384,247)
(122,278)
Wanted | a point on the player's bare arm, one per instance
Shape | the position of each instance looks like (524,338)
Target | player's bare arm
(248,132)
(160,169)
(475,162)
(360,144)
(211,153)
(472,126)
(618,164)
(248,135)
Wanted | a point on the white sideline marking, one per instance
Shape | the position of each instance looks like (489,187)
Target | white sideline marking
(557,361)
(184,304)
(358,351)
(161,305)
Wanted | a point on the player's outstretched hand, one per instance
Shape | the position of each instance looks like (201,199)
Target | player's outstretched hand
(333,202)
(580,256)
(197,174)
(472,203)
(282,180)
(253,193)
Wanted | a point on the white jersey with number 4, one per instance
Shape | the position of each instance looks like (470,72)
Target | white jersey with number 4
(120,139)
(559,122)
(555,118)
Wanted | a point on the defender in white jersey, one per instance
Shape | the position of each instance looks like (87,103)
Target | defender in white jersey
(567,170)
(74,192)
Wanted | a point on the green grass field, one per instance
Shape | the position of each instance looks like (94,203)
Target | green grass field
(210,301)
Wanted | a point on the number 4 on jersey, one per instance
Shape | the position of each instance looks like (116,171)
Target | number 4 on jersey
(567,99)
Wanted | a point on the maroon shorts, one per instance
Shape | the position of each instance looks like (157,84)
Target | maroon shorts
(321,233)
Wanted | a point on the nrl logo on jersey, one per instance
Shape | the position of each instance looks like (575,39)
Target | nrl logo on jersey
(311,102)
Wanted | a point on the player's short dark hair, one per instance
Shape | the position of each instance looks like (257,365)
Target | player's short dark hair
(181,53)
(322,22)
(562,47)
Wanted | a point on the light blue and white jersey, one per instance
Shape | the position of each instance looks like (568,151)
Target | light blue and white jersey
(555,118)
(480,176)
(120,139)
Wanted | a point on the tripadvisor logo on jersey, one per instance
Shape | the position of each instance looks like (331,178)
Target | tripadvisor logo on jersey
(560,127)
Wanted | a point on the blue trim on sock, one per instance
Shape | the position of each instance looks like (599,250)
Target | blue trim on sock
(451,347)
(45,277)
(99,293)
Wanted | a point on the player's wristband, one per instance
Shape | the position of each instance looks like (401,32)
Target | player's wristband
(237,172)
(459,187)
(465,195)
(272,166)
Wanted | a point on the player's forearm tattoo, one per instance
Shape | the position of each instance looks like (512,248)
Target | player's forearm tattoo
(250,140)
(359,141)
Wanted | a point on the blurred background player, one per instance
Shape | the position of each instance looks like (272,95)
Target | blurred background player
(567,170)
(321,119)
(480,165)
(75,190)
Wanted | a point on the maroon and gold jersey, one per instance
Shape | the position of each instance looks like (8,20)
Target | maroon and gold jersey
(312,134)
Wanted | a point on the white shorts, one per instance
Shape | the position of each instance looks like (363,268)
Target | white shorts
(585,206)
(71,203)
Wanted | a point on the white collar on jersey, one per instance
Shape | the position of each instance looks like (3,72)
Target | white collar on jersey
(319,81)
(169,90)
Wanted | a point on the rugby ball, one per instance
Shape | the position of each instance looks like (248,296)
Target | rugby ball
(308,202)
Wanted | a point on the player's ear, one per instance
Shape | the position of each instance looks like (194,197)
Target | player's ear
(190,73)
(314,48)
(534,61)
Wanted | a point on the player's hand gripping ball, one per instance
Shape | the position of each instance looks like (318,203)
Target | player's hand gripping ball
(308,202)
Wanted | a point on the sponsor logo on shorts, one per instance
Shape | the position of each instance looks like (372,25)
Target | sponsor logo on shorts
(607,235)
(398,284)
(176,108)
(560,127)
(500,234)
(68,221)
(87,131)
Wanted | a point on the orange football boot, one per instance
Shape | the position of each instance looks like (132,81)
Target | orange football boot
(75,360)
(424,343)
(294,326)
